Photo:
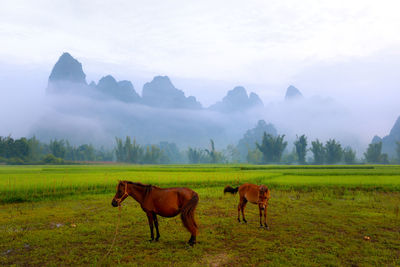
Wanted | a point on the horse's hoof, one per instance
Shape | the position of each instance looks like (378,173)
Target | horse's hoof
(238,220)
(156,239)
(266,227)
(151,240)
(244,221)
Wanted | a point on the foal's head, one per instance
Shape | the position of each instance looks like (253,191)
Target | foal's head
(263,197)
(121,194)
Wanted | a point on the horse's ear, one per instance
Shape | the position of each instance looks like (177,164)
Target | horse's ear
(263,188)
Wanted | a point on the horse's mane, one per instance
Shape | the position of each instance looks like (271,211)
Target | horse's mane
(147,187)
(138,184)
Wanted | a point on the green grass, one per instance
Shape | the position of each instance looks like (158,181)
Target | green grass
(33,183)
(318,216)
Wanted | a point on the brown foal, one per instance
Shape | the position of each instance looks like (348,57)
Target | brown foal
(166,202)
(256,194)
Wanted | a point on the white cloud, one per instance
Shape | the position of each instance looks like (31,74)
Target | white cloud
(208,47)
(212,39)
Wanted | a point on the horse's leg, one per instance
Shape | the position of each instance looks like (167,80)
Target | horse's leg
(192,239)
(265,217)
(156,225)
(244,202)
(150,218)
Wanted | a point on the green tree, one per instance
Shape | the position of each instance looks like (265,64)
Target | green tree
(21,148)
(349,155)
(119,150)
(86,152)
(214,156)
(135,153)
(7,149)
(272,148)
(333,151)
(128,151)
(195,155)
(2,147)
(301,148)
(35,149)
(57,148)
(18,149)
(70,152)
(252,136)
(318,150)
(374,153)
(152,155)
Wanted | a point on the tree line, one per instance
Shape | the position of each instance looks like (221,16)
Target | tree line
(32,151)
(271,149)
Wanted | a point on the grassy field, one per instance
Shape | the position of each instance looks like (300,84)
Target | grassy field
(318,215)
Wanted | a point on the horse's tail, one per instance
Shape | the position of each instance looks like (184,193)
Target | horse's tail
(187,214)
(230,189)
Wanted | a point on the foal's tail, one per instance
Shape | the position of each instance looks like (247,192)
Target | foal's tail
(187,214)
(230,189)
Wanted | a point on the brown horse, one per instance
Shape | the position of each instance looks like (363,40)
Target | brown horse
(166,202)
(256,194)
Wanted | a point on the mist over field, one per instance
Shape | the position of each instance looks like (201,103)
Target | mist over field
(347,76)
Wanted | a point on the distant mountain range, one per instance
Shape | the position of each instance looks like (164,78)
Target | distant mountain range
(292,93)
(237,100)
(96,113)
(67,76)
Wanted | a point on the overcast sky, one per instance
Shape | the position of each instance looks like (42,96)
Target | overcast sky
(347,50)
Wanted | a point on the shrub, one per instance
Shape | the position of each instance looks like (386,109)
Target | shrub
(51,159)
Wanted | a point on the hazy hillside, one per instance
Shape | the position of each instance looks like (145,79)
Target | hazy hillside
(389,141)
(100,111)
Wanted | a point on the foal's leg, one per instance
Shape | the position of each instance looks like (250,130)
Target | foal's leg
(260,212)
(242,207)
(150,218)
(156,224)
(239,208)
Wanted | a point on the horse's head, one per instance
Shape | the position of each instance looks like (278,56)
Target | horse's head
(263,197)
(121,194)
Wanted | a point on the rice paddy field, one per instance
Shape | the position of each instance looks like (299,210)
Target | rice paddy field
(318,215)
